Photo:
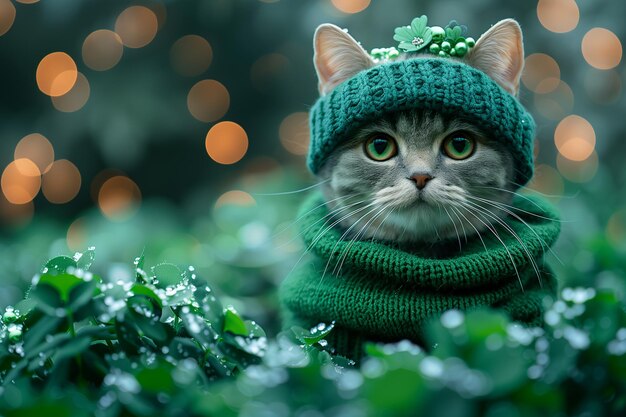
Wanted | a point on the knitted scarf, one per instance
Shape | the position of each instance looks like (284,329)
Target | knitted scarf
(384,292)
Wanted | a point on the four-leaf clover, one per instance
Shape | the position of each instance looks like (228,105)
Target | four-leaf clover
(414,37)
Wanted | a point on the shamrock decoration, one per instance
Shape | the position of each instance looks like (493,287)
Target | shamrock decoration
(384,54)
(444,42)
(414,37)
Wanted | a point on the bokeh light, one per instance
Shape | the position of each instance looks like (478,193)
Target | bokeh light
(137,26)
(575,138)
(578,171)
(61,183)
(267,69)
(37,149)
(102,50)
(548,182)
(616,227)
(191,55)
(21,180)
(235,198)
(604,87)
(351,6)
(602,49)
(226,143)
(208,100)
(7,16)
(556,104)
(74,99)
(294,133)
(15,214)
(558,16)
(56,74)
(76,237)
(119,198)
(541,73)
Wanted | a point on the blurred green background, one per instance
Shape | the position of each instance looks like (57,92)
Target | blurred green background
(163,127)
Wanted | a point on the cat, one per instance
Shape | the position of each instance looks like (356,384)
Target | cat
(419,176)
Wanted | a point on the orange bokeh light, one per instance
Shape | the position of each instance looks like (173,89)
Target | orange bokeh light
(602,49)
(351,6)
(56,74)
(541,73)
(226,143)
(119,198)
(578,171)
(294,133)
(547,181)
(558,16)
(102,50)
(62,182)
(137,26)
(37,149)
(76,237)
(235,198)
(74,99)
(208,100)
(556,104)
(191,55)
(575,138)
(20,182)
(7,16)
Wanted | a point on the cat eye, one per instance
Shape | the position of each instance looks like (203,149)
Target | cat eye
(458,147)
(381,147)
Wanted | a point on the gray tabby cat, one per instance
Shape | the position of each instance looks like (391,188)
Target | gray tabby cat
(419,176)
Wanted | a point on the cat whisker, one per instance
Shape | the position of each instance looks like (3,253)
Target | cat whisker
(291,192)
(508,228)
(527,199)
(344,256)
(456,209)
(302,216)
(328,215)
(504,208)
(455,228)
(325,230)
(495,233)
(344,235)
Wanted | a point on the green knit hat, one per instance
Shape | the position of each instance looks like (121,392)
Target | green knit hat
(438,84)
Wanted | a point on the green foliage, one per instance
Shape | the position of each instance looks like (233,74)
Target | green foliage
(164,344)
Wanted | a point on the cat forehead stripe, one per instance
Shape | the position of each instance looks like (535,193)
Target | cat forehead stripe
(434,84)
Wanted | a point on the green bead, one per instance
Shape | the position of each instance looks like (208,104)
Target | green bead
(452,52)
(15,335)
(470,42)
(446,46)
(438,33)
(434,48)
(443,54)
(9,317)
(461,48)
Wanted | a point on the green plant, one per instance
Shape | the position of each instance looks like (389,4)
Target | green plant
(164,344)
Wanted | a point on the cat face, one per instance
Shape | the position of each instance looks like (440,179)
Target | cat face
(418,176)
(413,176)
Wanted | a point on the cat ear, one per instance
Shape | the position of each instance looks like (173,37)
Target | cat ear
(337,57)
(500,54)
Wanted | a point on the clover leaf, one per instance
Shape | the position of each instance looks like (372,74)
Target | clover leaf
(414,37)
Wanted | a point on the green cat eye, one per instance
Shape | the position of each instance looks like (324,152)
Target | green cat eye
(458,147)
(381,147)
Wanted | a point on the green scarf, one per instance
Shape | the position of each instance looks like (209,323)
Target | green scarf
(384,292)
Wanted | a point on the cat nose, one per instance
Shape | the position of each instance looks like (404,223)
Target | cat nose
(420,180)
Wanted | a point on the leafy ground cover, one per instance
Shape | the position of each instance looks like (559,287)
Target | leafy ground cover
(163,343)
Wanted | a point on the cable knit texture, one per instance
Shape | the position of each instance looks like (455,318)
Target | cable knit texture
(383,292)
(447,86)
